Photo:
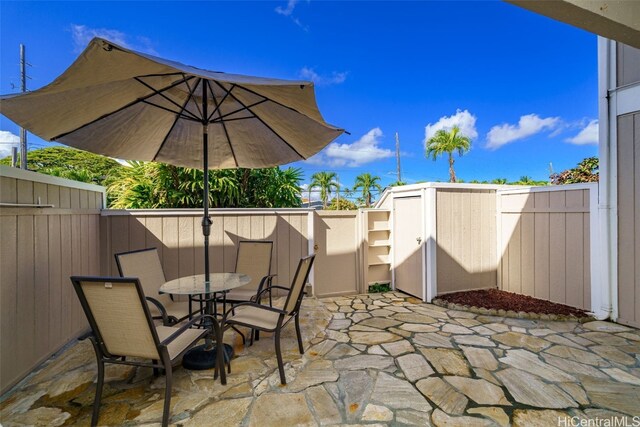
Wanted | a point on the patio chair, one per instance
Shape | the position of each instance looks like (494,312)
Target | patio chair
(254,260)
(122,328)
(270,319)
(145,265)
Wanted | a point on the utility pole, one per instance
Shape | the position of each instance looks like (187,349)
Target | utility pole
(398,157)
(14,157)
(23,88)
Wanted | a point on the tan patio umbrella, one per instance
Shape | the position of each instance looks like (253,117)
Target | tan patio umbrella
(129,105)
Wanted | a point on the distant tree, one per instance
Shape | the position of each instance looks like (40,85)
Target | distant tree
(367,183)
(157,185)
(499,181)
(341,204)
(527,180)
(70,163)
(586,171)
(447,142)
(326,182)
(397,184)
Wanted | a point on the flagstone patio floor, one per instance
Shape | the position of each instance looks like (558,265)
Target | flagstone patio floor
(380,359)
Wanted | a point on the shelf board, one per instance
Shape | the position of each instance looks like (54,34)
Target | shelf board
(379,262)
(380,229)
(380,245)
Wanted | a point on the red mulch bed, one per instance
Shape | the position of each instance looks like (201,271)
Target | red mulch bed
(497,299)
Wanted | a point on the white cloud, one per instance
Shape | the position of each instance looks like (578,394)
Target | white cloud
(463,119)
(288,11)
(334,79)
(82,35)
(7,140)
(528,125)
(588,135)
(364,150)
(315,193)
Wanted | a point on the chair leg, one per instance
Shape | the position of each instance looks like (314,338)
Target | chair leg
(96,402)
(167,395)
(300,348)
(283,379)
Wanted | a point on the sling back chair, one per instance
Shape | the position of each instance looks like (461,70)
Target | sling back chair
(254,260)
(270,319)
(122,328)
(145,265)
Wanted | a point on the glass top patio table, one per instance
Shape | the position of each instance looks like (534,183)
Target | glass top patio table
(204,356)
(196,284)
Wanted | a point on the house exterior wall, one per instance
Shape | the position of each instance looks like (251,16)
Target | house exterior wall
(628,65)
(545,243)
(465,239)
(629,218)
(624,135)
(41,248)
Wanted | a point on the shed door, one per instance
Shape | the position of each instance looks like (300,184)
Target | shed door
(407,245)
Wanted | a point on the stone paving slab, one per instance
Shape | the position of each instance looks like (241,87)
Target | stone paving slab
(380,359)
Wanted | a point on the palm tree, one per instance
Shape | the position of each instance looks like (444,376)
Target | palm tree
(367,182)
(501,181)
(525,180)
(448,142)
(325,181)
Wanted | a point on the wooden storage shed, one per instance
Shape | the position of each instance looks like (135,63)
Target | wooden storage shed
(441,238)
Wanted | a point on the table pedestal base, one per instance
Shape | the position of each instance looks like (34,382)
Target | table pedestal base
(199,358)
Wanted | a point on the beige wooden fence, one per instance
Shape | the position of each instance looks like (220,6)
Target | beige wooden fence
(545,239)
(337,245)
(466,243)
(177,234)
(41,247)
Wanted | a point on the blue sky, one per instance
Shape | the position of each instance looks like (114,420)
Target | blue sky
(522,86)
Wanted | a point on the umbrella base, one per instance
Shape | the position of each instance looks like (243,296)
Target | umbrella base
(199,358)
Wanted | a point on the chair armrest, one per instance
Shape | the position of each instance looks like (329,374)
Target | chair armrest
(251,304)
(269,288)
(188,325)
(266,279)
(160,307)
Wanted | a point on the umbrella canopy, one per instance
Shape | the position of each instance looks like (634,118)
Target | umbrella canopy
(129,105)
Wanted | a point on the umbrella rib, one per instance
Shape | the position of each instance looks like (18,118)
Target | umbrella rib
(265,124)
(191,92)
(175,122)
(165,97)
(224,126)
(231,120)
(218,106)
(282,105)
(221,117)
(180,113)
(119,109)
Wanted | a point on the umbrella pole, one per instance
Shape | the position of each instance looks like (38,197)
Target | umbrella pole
(206,221)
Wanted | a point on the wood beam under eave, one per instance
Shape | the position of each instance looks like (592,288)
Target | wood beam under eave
(614,19)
